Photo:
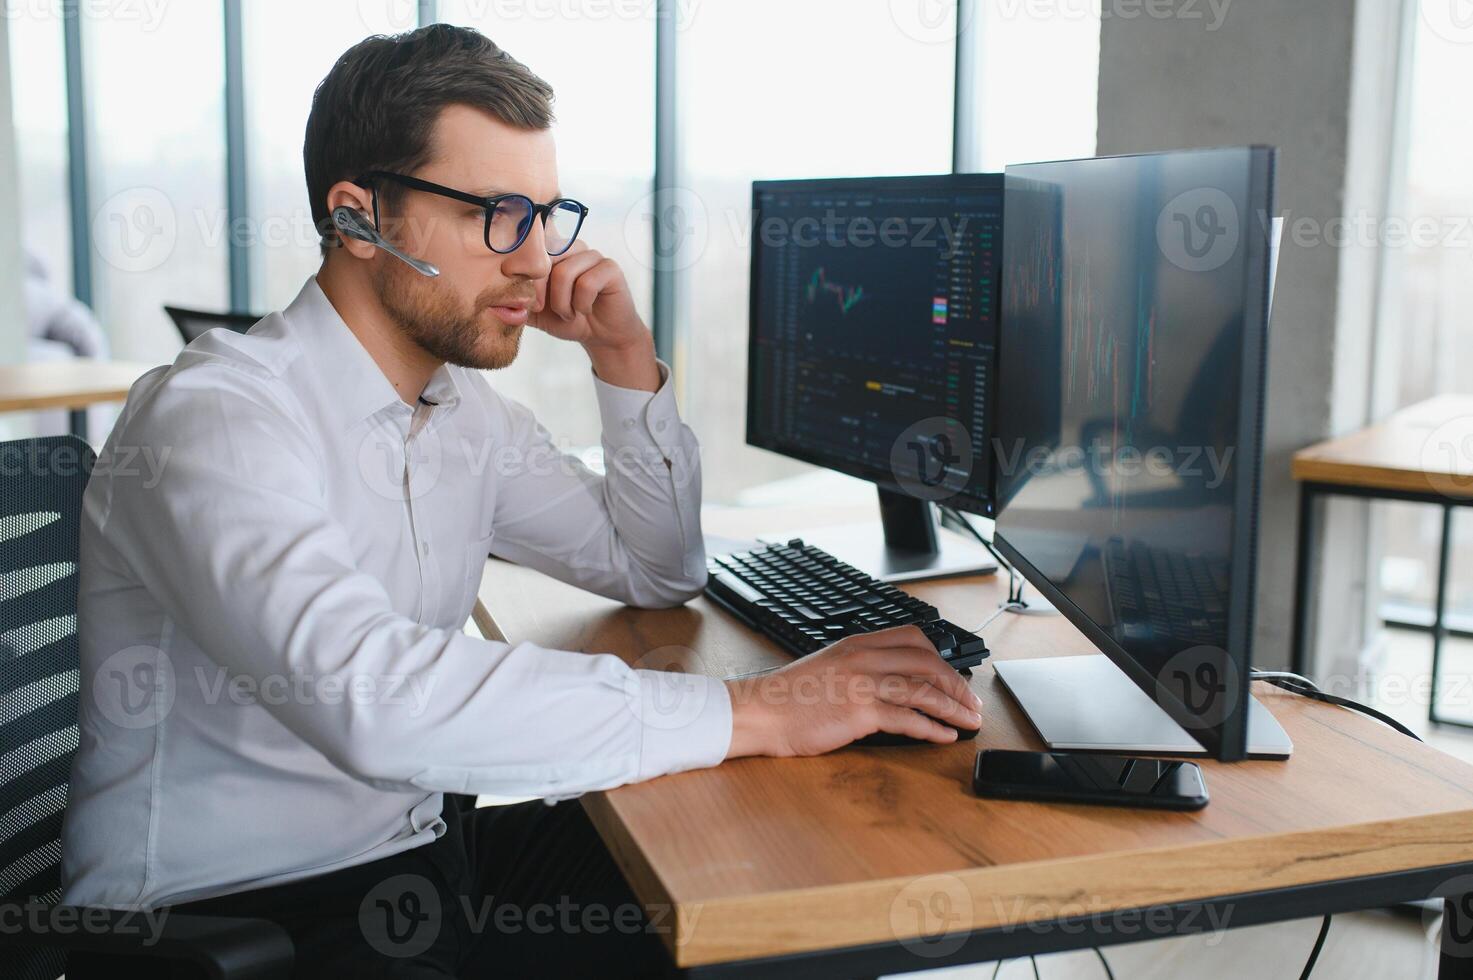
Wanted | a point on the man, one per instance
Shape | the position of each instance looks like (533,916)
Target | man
(277,688)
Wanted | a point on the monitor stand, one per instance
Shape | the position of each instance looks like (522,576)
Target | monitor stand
(905,546)
(1087,704)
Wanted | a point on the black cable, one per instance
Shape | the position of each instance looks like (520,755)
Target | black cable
(1314,954)
(1015,581)
(1105,963)
(1034,961)
(1315,694)
(995,969)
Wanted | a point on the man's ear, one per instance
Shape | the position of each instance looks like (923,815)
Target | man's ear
(347,194)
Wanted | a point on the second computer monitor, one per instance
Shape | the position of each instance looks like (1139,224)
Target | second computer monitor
(874,306)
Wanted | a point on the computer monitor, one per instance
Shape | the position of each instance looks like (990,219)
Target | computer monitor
(872,349)
(1130,416)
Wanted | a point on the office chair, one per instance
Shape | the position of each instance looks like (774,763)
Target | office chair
(192,323)
(40,517)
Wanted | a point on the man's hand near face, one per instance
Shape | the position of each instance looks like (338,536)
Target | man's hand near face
(585,299)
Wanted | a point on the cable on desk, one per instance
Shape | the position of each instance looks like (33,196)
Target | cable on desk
(1104,963)
(1306,688)
(1319,944)
(1015,581)
(1034,961)
(997,968)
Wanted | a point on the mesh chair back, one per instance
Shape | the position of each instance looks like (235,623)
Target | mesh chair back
(192,323)
(41,484)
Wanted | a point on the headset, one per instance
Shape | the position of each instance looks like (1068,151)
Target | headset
(355,224)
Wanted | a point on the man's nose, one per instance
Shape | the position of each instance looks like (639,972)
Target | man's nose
(530,258)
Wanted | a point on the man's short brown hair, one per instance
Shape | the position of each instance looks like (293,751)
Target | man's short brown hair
(377,107)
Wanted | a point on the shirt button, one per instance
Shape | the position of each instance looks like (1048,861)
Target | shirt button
(661,425)
(424,549)
(628,423)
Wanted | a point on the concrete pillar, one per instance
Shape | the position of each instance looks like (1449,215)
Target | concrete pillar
(1316,79)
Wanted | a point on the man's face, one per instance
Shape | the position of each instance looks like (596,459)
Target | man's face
(473,313)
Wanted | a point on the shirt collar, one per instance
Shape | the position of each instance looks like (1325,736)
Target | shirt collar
(349,374)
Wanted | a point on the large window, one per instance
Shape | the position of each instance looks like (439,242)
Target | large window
(1428,321)
(38,87)
(600,60)
(772,89)
(156,132)
(1035,80)
(288,48)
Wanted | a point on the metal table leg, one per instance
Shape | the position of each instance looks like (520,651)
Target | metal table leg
(1439,609)
(78,418)
(1303,574)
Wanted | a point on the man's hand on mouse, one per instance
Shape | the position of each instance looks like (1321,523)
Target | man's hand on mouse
(888,681)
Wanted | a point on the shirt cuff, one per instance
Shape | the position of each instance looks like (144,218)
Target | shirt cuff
(685,721)
(639,418)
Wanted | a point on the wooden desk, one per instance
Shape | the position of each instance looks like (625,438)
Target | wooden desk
(72,385)
(881,860)
(1421,454)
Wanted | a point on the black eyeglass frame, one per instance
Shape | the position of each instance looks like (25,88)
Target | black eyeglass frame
(489,204)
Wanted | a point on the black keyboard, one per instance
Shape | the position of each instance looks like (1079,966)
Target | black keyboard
(1166,596)
(804,598)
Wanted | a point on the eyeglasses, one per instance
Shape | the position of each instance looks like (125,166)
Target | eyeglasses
(509,217)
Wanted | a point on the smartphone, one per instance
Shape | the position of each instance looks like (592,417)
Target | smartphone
(1072,777)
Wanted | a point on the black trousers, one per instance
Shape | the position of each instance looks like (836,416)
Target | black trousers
(512,891)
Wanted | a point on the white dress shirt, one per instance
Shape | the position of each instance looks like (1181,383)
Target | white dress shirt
(278,555)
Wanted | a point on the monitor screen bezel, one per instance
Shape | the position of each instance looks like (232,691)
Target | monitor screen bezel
(985,182)
(1229,741)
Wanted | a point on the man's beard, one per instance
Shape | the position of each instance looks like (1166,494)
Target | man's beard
(435,320)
